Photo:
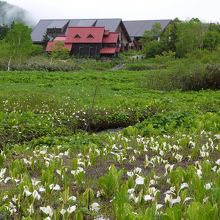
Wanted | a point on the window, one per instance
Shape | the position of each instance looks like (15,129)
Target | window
(90,36)
(77,36)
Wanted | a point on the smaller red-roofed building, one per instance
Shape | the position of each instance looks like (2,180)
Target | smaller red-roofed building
(110,44)
(52,44)
(88,42)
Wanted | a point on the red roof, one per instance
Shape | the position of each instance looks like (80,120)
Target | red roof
(68,46)
(108,50)
(85,34)
(60,39)
(112,38)
(51,44)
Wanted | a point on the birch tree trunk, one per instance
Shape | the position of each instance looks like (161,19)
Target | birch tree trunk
(9,64)
(51,60)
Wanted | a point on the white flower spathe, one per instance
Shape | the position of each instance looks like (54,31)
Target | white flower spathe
(130,191)
(73,198)
(183,186)
(62,211)
(152,182)
(137,170)
(31,209)
(187,199)
(56,187)
(174,201)
(5,197)
(217,136)
(167,198)
(14,199)
(159,206)
(35,182)
(199,173)
(95,206)
(101,218)
(206,199)
(27,161)
(217,162)
(12,208)
(58,172)
(147,198)
(36,195)
(41,189)
(71,209)
(7,179)
(26,192)
(2,173)
(47,210)
(208,186)
(139,180)
(43,152)
(76,172)
(47,164)
(130,174)
(214,169)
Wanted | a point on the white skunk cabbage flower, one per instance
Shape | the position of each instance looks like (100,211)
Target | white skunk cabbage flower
(62,211)
(36,195)
(71,209)
(47,210)
(73,198)
(147,198)
(27,192)
(95,207)
(183,186)
(139,180)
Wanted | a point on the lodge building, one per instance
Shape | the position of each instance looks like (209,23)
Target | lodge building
(92,37)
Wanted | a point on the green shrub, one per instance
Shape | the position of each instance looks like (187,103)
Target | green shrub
(185,76)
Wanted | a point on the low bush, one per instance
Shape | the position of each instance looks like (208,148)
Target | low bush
(185,77)
(143,66)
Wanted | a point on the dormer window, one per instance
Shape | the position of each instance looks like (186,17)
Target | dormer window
(77,36)
(90,36)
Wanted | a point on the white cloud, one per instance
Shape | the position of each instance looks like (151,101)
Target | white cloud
(127,10)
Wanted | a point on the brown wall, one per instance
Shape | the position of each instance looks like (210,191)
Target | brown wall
(86,50)
(122,36)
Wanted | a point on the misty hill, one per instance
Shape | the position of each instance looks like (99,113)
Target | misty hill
(10,13)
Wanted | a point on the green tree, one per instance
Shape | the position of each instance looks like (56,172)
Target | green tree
(169,37)
(211,40)
(190,36)
(214,27)
(151,41)
(152,34)
(4,51)
(59,51)
(212,37)
(45,40)
(3,31)
(19,43)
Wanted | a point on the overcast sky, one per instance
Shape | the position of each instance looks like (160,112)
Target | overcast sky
(206,10)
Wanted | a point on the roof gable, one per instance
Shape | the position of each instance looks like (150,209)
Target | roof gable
(137,28)
(82,22)
(87,34)
(109,24)
(41,28)
(58,24)
(111,38)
